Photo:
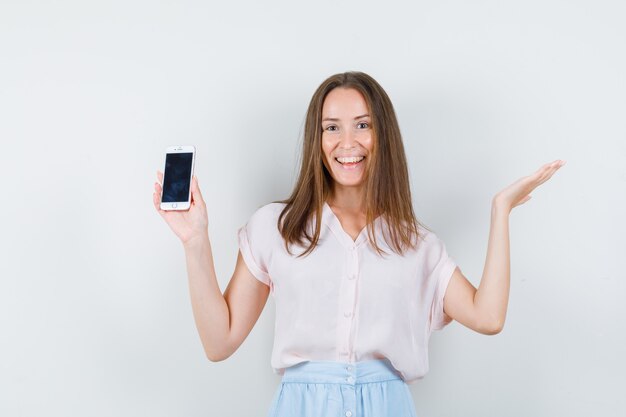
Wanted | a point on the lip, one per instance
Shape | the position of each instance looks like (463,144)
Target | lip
(349,156)
(349,167)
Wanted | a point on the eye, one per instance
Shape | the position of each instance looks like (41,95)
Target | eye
(331,128)
(363,125)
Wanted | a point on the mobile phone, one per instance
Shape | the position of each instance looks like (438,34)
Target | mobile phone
(179,164)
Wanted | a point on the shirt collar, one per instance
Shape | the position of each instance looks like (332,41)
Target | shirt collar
(330,219)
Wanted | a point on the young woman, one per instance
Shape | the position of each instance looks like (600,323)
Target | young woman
(359,284)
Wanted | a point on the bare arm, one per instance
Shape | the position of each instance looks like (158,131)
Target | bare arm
(223,321)
(484,309)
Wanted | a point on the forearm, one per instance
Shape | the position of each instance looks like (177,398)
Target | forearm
(492,297)
(210,309)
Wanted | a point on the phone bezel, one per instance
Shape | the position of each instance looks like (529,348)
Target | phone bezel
(179,205)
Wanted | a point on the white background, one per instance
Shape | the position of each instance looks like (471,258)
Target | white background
(95,318)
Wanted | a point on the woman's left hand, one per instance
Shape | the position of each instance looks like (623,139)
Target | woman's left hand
(519,192)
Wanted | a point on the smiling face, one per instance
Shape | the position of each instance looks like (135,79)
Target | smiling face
(347,136)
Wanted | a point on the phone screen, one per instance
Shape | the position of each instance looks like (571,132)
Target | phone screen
(177,177)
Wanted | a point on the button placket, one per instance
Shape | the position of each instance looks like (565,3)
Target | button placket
(350,296)
(347,303)
(349,391)
(353,265)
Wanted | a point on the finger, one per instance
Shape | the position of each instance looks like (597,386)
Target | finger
(548,166)
(538,177)
(546,171)
(558,165)
(160,176)
(545,176)
(156,202)
(156,198)
(195,191)
(554,166)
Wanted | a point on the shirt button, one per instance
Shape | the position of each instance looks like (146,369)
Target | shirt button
(348,413)
(348,368)
(350,379)
(353,276)
(347,314)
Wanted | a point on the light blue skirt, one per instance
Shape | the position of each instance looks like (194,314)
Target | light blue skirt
(337,389)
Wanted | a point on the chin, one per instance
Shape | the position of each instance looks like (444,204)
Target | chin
(349,183)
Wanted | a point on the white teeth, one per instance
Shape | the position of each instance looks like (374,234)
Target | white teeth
(350,159)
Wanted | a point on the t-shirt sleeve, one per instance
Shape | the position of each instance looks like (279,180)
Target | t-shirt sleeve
(255,243)
(443,268)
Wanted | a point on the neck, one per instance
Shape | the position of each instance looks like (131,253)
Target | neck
(347,198)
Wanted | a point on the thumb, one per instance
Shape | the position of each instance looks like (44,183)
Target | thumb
(196,195)
(525,199)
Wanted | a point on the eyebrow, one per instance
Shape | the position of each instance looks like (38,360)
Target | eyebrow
(333,119)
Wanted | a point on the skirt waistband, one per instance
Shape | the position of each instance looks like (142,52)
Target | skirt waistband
(324,372)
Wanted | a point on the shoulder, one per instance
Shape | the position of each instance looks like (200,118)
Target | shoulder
(428,240)
(425,234)
(423,242)
(268,211)
(265,216)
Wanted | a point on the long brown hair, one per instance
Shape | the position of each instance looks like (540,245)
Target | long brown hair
(387,189)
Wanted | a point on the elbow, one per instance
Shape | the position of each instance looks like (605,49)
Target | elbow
(217,356)
(492,327)
(493,330)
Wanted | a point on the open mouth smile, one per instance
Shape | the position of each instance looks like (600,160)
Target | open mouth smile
(350,162)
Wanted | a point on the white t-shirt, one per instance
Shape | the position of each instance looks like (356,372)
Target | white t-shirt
(343,302)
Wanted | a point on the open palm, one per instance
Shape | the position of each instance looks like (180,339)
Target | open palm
(519,192)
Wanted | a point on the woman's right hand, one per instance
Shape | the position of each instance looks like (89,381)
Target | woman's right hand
(188,225)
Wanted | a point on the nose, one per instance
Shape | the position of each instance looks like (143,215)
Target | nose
(347,139)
